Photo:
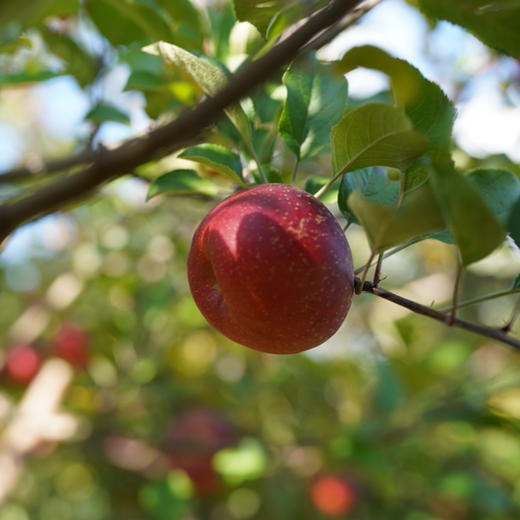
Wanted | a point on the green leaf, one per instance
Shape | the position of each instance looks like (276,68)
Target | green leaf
(387,227)
(25,78)
(209,77)
(475,228)
(513,223)
(123,22)
(106,112)
(373,184)
(315,182)
(430,111)
(516,283)
(375,135)
(315,102)
(261,12)
(217,157)
(78,62)
(494,22)
(181,182)
(500,190)
(32,12)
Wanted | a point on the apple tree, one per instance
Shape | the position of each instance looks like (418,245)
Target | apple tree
(144,410)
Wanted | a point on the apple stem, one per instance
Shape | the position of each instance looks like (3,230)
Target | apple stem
(359,287)
(497,334)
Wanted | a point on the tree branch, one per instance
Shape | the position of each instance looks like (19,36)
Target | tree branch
(497,334)
(111,164)
(30,173)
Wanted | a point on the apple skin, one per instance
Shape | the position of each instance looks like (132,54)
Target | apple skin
(332,495)
(71,344)
(22,364)
(271,269)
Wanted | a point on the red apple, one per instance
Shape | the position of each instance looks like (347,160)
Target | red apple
(22,364)
(192,441)
(71,344)
(271,269)
(332,496)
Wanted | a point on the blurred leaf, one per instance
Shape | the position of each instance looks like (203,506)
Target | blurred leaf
(32,12)
(137,20)
(217,157)
(25,78)
(494,22)
(105,112)
(209,77)
(375,135)
(245,462)
(78,62)
(373,184)
(516,283)
(261,12)
(181,182)
(475,228)
(315,102)
(428,108)
(500,190)
(386,226)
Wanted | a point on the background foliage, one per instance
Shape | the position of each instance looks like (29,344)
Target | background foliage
(420,420)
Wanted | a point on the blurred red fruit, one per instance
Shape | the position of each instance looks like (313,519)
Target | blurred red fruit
(71,344)
(193,439)
(22,364)
(332,495)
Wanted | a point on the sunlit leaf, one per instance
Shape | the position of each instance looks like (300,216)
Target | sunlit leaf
(315,102)
(428,108)
(217,157)
(208,76)
(375,135)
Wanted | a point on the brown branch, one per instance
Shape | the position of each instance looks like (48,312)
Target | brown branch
(497,334)
(117,162)
(28,173)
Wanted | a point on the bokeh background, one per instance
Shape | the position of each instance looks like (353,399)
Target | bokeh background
(118,401)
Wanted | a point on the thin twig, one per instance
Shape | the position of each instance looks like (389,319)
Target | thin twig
(188,125)
(391,252)
(28,173)
(481,299)
(347,21)
(514,316)
(456,291)
(496,334)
